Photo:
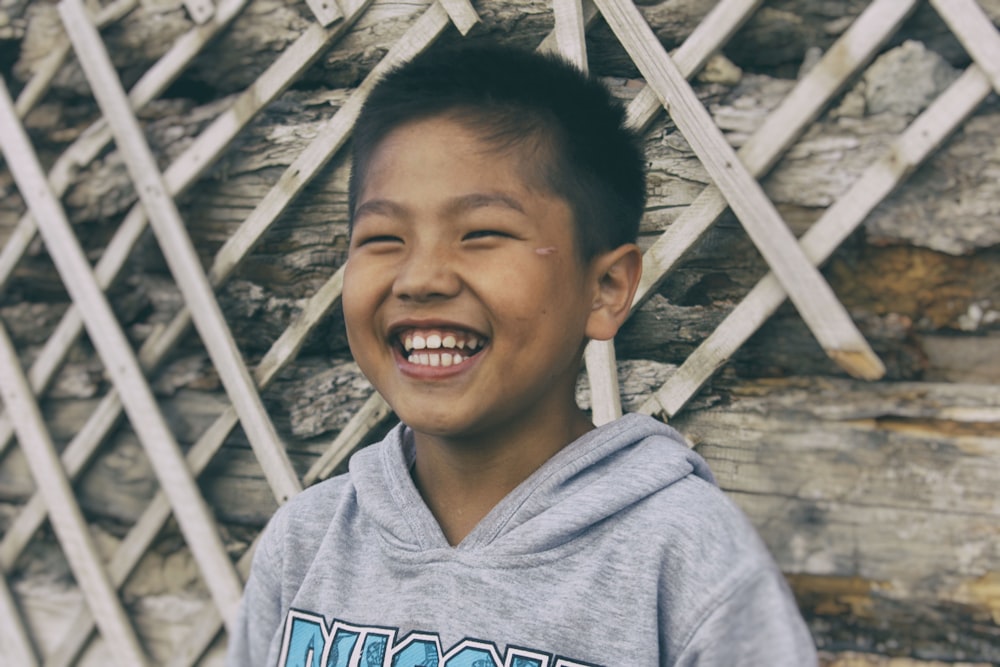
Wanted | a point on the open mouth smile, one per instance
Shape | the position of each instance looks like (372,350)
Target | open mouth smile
(437,347)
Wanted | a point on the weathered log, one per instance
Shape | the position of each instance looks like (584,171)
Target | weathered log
(879,499)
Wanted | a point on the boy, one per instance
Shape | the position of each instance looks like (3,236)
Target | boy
(495,200)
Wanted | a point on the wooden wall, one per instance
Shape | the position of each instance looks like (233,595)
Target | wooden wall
(878,498)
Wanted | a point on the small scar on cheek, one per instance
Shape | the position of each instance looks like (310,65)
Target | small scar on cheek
(551,250)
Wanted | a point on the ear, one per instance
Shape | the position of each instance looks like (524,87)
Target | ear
(616,274)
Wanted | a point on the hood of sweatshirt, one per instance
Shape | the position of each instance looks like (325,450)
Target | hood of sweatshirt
(602,473)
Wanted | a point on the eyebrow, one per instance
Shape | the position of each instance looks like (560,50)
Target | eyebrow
(455,206)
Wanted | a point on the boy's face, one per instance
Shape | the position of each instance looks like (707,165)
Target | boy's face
(465,300)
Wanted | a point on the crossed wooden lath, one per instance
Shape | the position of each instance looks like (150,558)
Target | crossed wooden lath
(734,175)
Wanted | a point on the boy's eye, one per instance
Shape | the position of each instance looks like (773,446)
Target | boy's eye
(380,239)
(485,234)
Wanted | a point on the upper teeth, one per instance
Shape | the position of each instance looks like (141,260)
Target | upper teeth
(435,341)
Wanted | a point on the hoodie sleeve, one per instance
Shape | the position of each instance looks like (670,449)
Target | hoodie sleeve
(260,614)
(757,624)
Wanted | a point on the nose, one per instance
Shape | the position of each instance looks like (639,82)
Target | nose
(427,273)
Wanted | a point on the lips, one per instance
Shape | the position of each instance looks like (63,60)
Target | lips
(439,347)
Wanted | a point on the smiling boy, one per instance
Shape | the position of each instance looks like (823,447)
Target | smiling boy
(495,199)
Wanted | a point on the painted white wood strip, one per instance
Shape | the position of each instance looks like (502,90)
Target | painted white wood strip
(602,370)
(817,304)
(974,29)
(462,14)
(179,252)
(15,642)
(570,29)
(115,351)
(66,518)
(550,43)
(712,33)
(325,11)
(912,147)
(778,132)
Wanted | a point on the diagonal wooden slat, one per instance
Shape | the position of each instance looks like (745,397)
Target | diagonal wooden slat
(82,151)
(777,133)
(916,143)
(113,347)
(570,30)
(67,519)
(812,296)
(976,32)
(179,252)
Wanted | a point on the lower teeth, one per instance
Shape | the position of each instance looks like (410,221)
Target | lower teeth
(446,359)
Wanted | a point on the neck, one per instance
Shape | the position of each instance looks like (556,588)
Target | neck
(463,479)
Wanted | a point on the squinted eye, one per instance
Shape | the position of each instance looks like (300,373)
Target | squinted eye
(374,240)
(485,234)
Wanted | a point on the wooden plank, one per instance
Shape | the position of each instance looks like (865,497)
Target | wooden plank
(14,637)
(179,252)
(778,132)
(570,30)
(66,518)
(115,351)
(891,486)
(921,138)
(462,14)
(325,11)
(974,29)
(812,296)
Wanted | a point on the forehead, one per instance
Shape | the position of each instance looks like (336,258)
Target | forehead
(521,159)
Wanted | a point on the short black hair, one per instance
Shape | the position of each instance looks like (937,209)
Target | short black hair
(518,99)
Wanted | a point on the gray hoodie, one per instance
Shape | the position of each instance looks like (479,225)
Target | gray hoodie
(619,551)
